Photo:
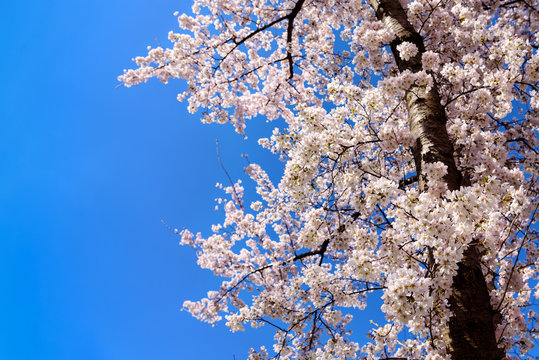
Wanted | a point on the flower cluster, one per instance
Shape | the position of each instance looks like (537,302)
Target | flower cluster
(407,50)
(352,220)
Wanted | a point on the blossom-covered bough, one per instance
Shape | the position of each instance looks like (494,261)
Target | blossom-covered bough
(411,167)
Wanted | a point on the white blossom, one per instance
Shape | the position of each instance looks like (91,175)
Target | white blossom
(348,223)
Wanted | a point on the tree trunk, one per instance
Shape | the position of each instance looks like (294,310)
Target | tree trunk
(471,330)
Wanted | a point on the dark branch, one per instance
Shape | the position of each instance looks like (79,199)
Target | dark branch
(408,181)
(289,32)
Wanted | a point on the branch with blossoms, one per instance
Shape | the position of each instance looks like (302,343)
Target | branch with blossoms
(406,170)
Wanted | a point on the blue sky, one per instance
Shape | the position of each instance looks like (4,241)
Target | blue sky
(88,270)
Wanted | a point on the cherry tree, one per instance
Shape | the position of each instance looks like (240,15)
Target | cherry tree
(410,157)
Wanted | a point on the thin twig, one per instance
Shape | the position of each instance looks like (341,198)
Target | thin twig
(238,200)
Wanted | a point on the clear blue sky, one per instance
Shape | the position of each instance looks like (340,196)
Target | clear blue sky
(87,269)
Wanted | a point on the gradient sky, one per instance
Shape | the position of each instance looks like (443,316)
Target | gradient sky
(87,269)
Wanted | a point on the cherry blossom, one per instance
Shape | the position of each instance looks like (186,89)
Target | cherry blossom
(410,158)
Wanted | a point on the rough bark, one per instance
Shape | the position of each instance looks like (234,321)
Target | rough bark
(426,115)
(471,331)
